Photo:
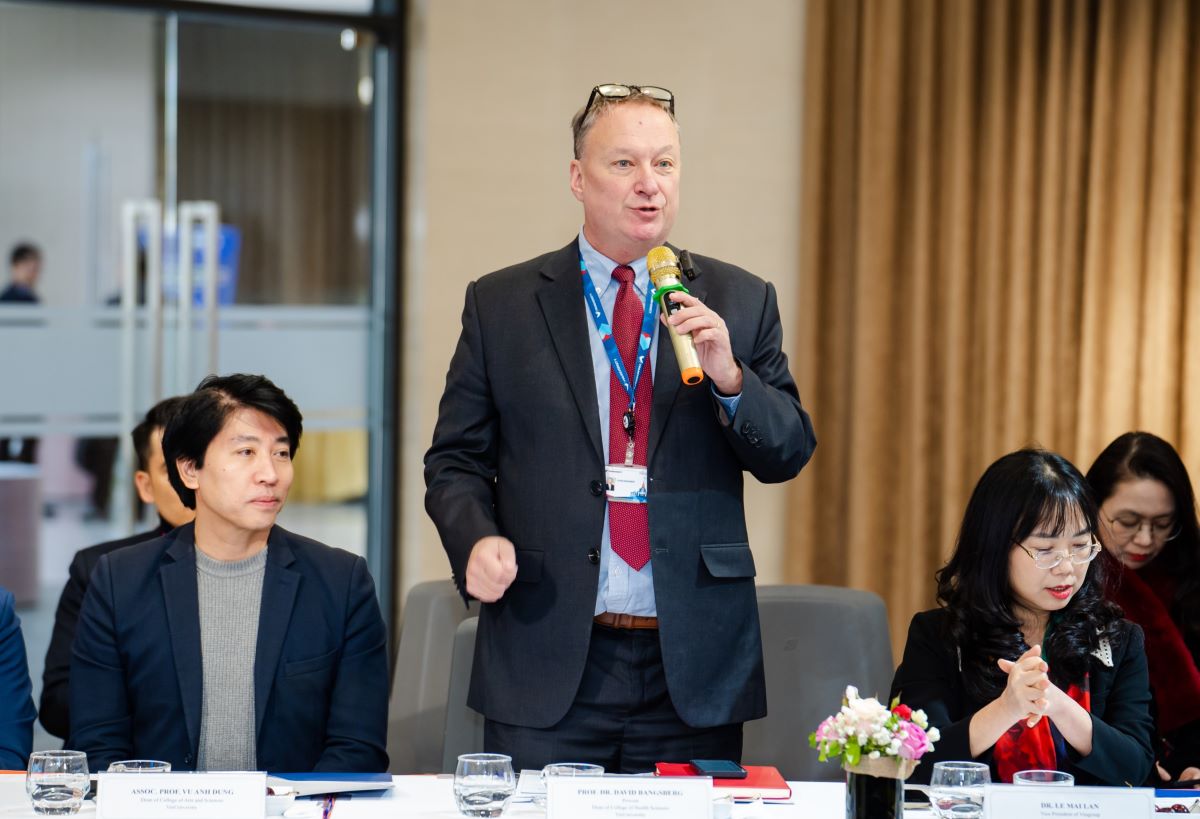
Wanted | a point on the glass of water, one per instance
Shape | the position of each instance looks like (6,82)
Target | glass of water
(566,769)
(139,766)
(483,784)
(956,789)
(57,781)
(1043,778)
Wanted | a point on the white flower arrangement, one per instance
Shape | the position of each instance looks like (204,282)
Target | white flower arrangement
(867,728)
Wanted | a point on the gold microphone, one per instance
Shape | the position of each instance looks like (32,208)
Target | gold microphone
(665,275)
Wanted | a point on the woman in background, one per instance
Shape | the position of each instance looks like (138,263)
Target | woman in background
(16,700)
(1025,665)
(1149,530)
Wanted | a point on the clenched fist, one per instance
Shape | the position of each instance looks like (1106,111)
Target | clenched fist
(491,568)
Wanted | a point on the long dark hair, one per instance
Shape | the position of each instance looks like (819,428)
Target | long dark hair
(1143,455)
(1024,491)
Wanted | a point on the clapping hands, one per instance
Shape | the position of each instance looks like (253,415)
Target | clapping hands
(1029,686)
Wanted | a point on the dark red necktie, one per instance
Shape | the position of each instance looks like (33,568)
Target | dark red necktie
(629,523)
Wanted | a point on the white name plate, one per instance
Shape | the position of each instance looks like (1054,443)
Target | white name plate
(222,795)
(1031,802)
(628,797)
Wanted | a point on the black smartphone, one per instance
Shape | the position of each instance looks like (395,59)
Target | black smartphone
(718,768)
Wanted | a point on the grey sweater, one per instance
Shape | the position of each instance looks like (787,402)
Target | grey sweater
(230,598)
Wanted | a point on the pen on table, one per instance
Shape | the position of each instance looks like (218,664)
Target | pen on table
(327,807)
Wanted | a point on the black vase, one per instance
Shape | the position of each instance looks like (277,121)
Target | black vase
(873,797)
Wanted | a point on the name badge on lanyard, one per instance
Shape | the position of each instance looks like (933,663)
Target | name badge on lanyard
(628,482)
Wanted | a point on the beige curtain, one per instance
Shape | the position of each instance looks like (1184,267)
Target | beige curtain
(1001,247)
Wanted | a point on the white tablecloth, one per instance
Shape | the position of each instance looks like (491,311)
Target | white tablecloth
(431,797)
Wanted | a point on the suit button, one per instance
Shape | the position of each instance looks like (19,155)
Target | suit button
(597,488)
(593,556)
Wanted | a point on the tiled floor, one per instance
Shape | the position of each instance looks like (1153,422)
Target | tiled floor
(342,525)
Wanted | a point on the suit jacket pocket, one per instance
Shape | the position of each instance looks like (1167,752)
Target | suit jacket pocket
(728,559)
(296,668)
(529,565)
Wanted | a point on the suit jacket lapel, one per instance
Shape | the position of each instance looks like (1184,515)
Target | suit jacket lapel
(667,379)
(561,300)
(280,585)
(182,602)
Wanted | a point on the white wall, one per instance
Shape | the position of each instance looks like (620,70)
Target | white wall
(492,90)
(77,108)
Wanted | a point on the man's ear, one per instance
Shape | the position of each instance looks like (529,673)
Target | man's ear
(577,179)
(145,490)
(188,473)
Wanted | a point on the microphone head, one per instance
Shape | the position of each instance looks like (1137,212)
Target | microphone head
(662,264)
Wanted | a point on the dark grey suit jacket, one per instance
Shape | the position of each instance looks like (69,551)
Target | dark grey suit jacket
(517,452)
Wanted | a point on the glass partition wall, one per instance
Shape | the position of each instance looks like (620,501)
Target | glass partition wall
(203,195)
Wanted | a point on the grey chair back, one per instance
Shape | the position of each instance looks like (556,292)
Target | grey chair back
(464,726)
(421,679)
(816,641)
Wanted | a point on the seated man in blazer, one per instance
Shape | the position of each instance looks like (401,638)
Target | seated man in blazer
(230,643)
(154,488)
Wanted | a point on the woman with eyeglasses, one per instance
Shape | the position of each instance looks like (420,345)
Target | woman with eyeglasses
(1149,530)
(1025,665)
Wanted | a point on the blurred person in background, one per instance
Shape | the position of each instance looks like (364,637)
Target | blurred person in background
(1149,530)
(24,266)
(154,488)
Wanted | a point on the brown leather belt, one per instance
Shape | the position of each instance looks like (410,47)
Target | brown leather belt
(625,620)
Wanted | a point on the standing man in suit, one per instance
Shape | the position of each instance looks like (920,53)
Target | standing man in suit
(231,643)
(16,700)
(154,488)
(615,632)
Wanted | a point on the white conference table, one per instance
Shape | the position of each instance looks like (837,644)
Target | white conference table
(431,797)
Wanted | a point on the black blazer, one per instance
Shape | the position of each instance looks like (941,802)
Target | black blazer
(54,709)
(517,452)
(320,665)
(1122,729)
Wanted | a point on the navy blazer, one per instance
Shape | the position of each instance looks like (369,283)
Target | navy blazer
(16,691)
(929,677)
(320,665)
(54,706)
(517,452)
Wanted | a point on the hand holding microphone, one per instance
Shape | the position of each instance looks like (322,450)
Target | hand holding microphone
(699,336)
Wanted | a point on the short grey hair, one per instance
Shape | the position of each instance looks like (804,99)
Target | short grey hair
(585,118)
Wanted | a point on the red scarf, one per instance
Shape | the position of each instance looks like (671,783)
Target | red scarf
(1022,748)
(1146,595)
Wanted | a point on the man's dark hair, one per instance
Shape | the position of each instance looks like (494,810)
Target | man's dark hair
(156,418)
(22,252)
(200,416)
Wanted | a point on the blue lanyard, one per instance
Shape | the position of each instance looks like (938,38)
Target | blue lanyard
(649,319)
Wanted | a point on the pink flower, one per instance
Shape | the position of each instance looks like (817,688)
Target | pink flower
(913,743)
(825,730)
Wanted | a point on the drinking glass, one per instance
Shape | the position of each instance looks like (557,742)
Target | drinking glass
(1043,778)
(566,769)
(57,781)
(956,789)
(572,769)
(483,784)
(139,766)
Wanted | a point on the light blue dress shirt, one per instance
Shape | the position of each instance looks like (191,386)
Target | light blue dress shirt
(622,589)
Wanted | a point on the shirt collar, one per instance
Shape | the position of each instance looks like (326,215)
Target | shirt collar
(601,268)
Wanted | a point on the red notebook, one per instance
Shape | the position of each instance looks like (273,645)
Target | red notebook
(763,781)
